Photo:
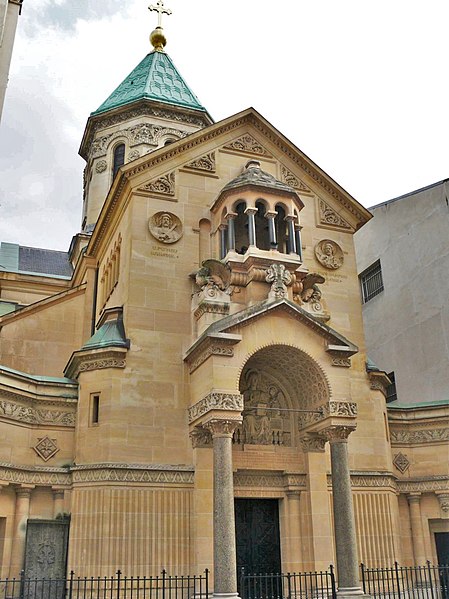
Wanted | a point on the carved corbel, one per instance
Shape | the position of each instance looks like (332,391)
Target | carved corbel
(443,500)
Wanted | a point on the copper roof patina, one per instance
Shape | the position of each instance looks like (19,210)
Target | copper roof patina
(154,78)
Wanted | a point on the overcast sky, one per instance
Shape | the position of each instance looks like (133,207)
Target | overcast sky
(358,85)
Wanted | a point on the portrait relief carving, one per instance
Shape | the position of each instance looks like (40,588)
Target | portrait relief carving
(165,227)
(329,254)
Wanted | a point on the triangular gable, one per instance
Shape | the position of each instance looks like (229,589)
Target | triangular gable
(227,327)
(159,166)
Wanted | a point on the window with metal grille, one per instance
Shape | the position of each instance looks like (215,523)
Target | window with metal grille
(371,281)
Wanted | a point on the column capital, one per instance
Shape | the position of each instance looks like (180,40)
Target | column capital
(443,499)
(24,490)
(251,210)
(270,214)
(338,433)
(222,427)
(230,215)
(200,437)
(413,497)
(290,218)
(313,444)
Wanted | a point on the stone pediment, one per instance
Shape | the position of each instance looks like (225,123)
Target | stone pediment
(338,347)
(190,150)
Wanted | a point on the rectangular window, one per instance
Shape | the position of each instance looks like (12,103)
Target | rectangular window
(95,408)
(391,389)
(371,281)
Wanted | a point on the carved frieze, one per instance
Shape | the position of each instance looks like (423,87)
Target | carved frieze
(290,179)
(163,185)
(216,400)
(328,217)
(341,362)
(166,227)
(129,473)
(269,479)
(31,414)
(204,163)
(329,254)
(247,144)
(409,435)
(46,448)
(42,476)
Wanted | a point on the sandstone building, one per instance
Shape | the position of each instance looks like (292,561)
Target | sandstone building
(202,337)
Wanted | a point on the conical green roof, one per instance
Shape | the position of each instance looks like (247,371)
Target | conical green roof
(154,78)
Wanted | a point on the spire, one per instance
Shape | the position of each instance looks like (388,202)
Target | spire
(157,37)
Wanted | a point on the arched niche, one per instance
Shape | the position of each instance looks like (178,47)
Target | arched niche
(274,381)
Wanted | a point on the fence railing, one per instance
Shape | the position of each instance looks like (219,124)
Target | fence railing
(406,582)
(304,585)
(112,587)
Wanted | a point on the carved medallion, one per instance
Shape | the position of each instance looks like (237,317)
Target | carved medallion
(101,166)
(46,448)
(165,227)
(329,254)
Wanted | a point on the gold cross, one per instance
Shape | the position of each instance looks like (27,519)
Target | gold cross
(159,8)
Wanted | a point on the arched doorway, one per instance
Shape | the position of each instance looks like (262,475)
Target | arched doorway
(276,382)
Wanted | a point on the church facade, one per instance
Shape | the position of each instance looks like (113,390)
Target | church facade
(202,345)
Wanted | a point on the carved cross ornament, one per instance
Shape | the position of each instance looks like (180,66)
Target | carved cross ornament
(280,278)
(161,10)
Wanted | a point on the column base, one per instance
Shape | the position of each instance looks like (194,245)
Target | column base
(350,593)
(226,595)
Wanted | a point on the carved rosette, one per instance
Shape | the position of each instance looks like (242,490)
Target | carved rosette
(222,427)
(101,166)
(216,400)
(46,448)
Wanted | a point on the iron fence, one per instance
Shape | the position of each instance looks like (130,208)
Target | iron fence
(112,587)
(304,585)
(408,582)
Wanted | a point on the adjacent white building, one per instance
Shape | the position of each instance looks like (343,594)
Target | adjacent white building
(403,265)
(9,14)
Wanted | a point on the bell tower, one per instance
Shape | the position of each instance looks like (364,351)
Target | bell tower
(152,107)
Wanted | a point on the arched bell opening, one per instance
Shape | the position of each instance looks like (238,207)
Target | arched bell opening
(281,230)
(241,228)
(261,226)
(275,382)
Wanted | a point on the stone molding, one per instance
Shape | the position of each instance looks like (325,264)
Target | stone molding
(37,411)
(423,485)
(84,361)
(328,218)
(273,480)
(34,475)
(206,307)
(332,408)
(133,473)
(443,500)
(247,143)
(219,345)
(164,186)
(216,400)
(411,436)
(204,163)
(341,362)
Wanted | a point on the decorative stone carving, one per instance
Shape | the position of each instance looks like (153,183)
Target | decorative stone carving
(280,278)
(131,473)
(290,179)
(329,217)
(33,415)
(332,408)
(248,144)
(143,133)
(34,475)
(46,448)
(329,254)
(216,401)
(269,480)
(88,365)
(101,166)
(213,277)
(264,423)
(208,307)
(205,163)
(164,185)
(401,462)
(313,444)
(133,155)
(413,436)
(46,554)
(200,437)
(222,428)
(211,350)
(165,227)
(443,499)
(424,484)
(338,434)
(342,362)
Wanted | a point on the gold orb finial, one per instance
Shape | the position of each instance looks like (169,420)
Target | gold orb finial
(157,37)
